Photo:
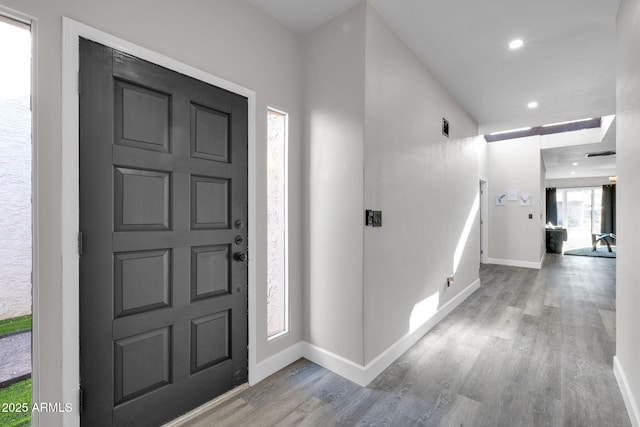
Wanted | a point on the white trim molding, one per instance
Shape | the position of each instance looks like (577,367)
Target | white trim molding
(391,354)
(517,263)
(72,31)
(484,217)
(361,375)
(627,395)
(274,363)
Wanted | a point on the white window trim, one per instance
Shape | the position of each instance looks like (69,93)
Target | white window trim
(287,311)
(72,31)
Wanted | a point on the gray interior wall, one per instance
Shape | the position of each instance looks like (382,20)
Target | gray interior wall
(424,183)
(515,163)
(334,132)
(230,39)
(628,195)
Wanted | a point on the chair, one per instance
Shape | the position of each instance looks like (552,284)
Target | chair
(602,237)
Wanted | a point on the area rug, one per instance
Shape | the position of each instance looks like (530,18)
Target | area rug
(601,252)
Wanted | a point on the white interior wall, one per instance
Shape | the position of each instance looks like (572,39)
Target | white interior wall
(626,364)
(426,186)
(483,161)
(514,239)
(334,134)
(232,40)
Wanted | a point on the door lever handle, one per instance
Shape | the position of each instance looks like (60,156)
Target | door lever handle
(240,257)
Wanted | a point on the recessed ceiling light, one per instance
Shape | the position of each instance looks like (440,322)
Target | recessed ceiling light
(573,172)
(516,44)
(532,104)
(574,164)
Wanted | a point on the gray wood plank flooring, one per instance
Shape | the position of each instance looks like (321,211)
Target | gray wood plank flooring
(529,348)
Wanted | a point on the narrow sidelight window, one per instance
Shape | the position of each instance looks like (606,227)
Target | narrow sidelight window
(277,266)
(16,233)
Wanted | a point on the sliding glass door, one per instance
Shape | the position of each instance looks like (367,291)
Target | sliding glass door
(579,211)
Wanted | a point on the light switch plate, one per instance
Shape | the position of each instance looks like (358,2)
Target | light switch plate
(377,218)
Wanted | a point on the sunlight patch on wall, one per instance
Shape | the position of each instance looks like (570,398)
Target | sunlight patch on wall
(464,237)
(423,311)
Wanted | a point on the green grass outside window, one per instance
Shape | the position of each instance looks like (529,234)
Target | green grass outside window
(16,324)
(18,393)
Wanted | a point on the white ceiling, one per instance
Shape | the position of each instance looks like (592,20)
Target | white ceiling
(567,63)
(303,16)
(559,161)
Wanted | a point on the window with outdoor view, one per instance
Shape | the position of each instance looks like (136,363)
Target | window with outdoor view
(277,274)
(15,221)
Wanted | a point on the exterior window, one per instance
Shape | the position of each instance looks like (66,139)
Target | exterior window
(15,215)
(277,268)
(15,170)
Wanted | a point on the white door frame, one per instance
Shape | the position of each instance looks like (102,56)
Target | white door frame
(72,31)
(484,218)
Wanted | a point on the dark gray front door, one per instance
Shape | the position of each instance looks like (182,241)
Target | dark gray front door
(163,216)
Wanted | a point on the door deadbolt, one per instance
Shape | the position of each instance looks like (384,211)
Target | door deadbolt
(240,257)
(239,224)
(239,240)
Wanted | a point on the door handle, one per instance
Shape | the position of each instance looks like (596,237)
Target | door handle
(240,257)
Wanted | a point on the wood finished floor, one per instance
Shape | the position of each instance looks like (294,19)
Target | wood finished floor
(529,348)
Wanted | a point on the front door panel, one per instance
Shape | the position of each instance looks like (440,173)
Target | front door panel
(163,194)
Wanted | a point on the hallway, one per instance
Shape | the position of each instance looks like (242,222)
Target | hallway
(529,348)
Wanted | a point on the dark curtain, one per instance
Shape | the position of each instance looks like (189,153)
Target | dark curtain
(608,218)
(552,207)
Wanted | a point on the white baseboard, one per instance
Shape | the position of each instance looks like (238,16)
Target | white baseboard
(276,362)
(391,354)
(361,375)
(629,400)
(517,263)
(337,364)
